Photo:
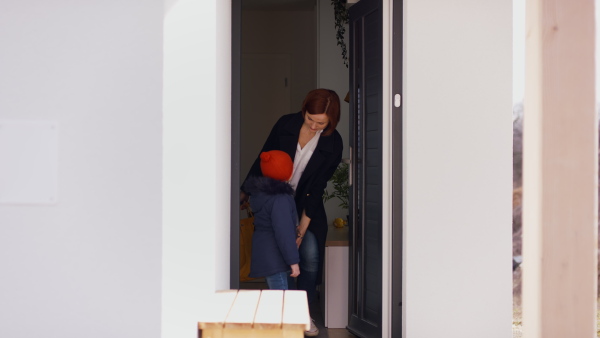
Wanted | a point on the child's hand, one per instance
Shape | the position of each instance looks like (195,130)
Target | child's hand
(244,201)
(295,270)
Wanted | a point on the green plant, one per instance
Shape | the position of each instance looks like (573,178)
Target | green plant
(341,19)
(341,188)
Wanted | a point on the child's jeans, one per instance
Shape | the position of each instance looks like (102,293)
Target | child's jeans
(279,281)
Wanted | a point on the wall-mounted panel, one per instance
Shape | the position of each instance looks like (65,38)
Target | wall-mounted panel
(28,162)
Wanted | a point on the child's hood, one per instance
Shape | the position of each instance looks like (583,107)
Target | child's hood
(267,185)
(261,188)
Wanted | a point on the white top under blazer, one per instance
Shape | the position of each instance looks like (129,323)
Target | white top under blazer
(302,157)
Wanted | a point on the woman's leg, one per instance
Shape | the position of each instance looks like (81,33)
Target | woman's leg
(278,281)
(309,266)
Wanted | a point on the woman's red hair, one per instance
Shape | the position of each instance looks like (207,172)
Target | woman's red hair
(323,101)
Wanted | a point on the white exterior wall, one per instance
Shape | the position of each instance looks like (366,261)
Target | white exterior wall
(89,265)
(457,168)
(197,169)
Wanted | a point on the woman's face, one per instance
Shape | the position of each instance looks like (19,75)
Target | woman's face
(316,122)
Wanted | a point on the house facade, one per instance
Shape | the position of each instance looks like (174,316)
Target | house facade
(138,232)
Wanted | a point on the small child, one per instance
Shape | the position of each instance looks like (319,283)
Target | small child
(274,249)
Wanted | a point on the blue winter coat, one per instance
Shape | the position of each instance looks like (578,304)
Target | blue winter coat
(275,218)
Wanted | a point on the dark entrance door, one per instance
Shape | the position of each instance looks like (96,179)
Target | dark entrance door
(365,308)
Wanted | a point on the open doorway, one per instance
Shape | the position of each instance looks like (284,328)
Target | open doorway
(284,50)
(278,66)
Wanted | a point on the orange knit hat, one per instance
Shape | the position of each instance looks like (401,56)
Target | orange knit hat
(276,164)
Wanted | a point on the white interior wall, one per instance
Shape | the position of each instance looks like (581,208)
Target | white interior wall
(284,32)
(309,38)
(197,134)
(457,109)
(333,74)
(283,36)
(331,71)
(90,264)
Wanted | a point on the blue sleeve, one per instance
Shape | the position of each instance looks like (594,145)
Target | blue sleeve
(284,227)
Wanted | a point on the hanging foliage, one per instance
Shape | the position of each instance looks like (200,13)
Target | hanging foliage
(341,20)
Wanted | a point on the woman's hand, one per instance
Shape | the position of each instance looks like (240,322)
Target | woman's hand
(295,270)
(302,228)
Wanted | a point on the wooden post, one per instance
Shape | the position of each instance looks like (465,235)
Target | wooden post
(560,172)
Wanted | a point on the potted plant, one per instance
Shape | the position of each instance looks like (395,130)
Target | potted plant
(341,20)
(340,184)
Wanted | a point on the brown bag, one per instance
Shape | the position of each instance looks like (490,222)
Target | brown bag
(246,232)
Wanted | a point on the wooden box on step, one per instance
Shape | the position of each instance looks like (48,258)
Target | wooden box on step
(255,313)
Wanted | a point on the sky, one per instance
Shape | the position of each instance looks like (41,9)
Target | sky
(519,50)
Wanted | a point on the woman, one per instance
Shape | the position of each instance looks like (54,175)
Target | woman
(315,146)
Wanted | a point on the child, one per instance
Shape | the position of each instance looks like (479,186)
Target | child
(274,249)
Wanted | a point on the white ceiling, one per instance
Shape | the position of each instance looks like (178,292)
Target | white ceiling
(278,4)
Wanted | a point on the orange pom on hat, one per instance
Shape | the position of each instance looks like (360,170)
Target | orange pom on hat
(276,164)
